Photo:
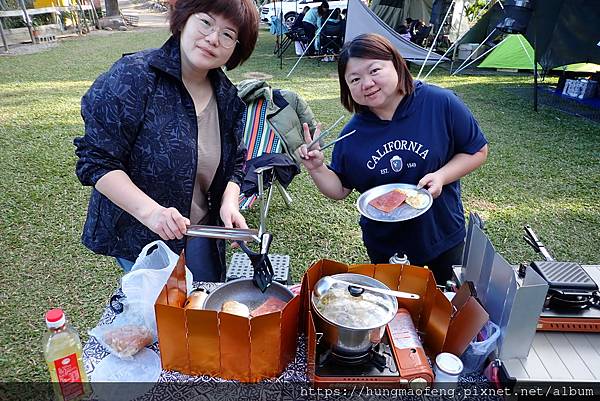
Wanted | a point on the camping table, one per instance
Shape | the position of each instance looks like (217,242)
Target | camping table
(557,359)
(292,384)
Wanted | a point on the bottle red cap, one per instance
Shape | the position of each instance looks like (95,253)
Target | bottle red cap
(54,315)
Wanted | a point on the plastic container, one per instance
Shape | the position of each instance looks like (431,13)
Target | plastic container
(480,348)
(62,351)
(447,368)
(466,51)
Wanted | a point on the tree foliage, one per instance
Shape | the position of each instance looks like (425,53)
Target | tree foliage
(474,8)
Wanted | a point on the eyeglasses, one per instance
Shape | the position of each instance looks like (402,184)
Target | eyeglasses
(207,25)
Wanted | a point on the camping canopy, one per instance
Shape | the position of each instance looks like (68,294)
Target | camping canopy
(564,32)
(395,12)
(363,20)
(515,52)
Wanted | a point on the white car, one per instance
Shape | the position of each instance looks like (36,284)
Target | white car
(291,8)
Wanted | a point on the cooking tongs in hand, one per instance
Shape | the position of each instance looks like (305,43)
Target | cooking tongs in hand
(531,238)
(233,234)
(263,269)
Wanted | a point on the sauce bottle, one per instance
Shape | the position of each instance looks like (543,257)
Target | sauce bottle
(63,354)
(396,259)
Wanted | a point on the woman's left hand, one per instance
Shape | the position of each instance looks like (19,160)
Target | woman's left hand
(433,182)
(231,216)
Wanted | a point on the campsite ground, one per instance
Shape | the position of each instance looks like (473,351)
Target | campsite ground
(543,169)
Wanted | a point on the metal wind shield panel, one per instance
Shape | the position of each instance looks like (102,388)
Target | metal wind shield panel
(363,20)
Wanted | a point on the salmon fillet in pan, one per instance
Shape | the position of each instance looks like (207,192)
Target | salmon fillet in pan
(388,201)
(272,304)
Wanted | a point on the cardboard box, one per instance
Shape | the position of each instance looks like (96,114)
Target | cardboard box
(203,342)
(445,326)
(580,88)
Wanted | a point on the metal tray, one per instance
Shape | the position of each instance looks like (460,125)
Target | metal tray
(401,213)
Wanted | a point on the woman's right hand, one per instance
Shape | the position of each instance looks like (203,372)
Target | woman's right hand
(311,159)
(168,223)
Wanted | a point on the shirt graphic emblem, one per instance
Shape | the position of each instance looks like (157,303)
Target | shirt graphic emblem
(396,163)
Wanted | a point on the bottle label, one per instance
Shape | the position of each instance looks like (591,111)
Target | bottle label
(69,377)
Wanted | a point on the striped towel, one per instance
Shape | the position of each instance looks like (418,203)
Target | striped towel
(260,138)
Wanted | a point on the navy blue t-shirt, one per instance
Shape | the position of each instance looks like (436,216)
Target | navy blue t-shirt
(428,128)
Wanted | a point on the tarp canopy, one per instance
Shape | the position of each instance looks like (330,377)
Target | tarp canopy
(484,26)
(395,12)
(564,32)
(515,52)
(363,20)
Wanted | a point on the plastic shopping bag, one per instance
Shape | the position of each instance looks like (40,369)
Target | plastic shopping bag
(476,354)
(135,327)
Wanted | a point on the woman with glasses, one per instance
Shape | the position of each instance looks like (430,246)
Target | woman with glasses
(405,132)
(163,144)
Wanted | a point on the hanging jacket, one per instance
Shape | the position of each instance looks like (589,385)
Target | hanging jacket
(286,112)
(139,118)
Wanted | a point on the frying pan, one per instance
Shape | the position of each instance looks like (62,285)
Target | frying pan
(244,290)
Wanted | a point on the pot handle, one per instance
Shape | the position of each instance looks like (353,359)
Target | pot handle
(355,291)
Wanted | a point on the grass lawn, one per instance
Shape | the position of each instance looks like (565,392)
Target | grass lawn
(543,169)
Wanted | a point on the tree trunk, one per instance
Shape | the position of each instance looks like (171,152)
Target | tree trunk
(112,8)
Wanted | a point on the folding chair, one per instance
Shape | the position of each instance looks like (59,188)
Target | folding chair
(422,35)
(260,138)
(332,37)
(292,36)
(279,29)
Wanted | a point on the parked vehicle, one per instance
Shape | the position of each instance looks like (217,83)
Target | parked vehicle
(291,8)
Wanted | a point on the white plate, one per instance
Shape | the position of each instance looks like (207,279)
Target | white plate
(401,213)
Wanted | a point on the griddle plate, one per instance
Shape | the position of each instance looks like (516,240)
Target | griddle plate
(565,275)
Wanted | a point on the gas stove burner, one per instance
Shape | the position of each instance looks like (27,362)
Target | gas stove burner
(558,300)
(377,362)
(374,357)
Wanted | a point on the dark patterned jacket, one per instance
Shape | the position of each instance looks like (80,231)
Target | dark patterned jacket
(139,118)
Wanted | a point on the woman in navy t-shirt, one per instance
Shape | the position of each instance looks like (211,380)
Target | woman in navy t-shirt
(406,132)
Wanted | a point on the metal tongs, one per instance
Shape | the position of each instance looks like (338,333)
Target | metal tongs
(263,270)
(531,238)
(233,234)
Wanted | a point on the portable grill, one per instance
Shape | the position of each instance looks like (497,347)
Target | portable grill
(569,285)
(571,292)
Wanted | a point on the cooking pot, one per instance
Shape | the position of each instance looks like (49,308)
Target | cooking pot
(244,291)
(351,319)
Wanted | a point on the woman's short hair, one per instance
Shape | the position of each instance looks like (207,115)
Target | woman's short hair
(377,47)
(242,13)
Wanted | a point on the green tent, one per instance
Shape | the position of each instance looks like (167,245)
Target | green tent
(515,52)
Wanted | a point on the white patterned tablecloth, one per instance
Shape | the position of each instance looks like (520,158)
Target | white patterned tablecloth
(292,384)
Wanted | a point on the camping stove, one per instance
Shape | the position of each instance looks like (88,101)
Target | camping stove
(573,299)
(570,287)
(376,365)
